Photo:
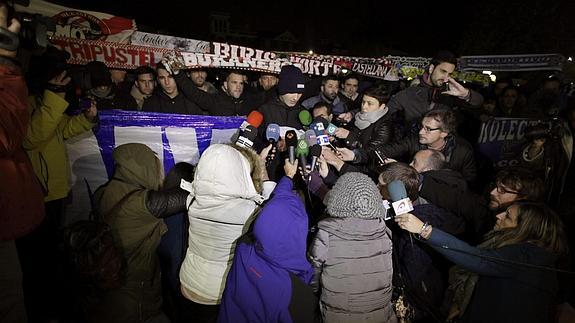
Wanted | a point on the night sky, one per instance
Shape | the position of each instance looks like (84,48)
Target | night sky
(371,27)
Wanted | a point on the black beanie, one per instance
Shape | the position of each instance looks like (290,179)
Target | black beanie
(291,80)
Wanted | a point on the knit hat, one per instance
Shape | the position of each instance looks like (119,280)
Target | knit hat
(355,195)
(291,80)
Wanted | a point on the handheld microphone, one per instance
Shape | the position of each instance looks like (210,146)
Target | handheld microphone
(331,128)
(319,125)
(301,152)
(272,135)
(400,202)
(255,118)
(247,137)
(304,118)
(291,142)
(315,152)
(310,137)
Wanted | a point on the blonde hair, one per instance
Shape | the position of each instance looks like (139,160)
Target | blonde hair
(537,224)
(255,166)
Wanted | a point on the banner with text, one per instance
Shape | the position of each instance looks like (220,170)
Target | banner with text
(174,138)
(82,24)
(148,49)
(502,141)
(539,62)
(115,55)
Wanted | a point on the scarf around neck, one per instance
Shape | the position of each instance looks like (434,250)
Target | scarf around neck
(365,119)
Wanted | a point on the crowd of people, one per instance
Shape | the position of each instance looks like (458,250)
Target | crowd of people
(255,233)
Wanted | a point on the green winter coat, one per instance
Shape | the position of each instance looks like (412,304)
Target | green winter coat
(136,231)
(49,127)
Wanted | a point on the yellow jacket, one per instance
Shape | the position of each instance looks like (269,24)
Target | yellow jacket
(48,128)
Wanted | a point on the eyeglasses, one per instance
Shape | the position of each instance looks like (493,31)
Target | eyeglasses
(502,190)
(428,130)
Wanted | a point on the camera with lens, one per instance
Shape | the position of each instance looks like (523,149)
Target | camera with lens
(33,30)
(551,129)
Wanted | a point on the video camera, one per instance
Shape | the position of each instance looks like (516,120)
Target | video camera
(33,31)
(551,129)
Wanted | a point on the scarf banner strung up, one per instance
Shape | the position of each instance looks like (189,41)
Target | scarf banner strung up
(82,24)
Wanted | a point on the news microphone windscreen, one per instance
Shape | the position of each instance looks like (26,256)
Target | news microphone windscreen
(331,128)
(255,118)
(273,132)
(302,148)
(315,150)
(291,138)
(247,137)
(396,190)
(250,132)
(310,137)
(322,120)
(305,117)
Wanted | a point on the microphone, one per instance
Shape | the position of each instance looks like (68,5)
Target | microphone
(255,118)
(301,152)
(331,128)
(291,142)
(310,137)
(315,152)
(272,135)
(318,126)
(400,202)
(247,137)
(304,118)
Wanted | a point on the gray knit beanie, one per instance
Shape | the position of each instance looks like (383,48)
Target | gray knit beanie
(355,195)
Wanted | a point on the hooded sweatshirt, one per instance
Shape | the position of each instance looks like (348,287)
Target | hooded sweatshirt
(270,273)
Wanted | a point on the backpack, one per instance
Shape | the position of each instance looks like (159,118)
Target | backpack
(93,255)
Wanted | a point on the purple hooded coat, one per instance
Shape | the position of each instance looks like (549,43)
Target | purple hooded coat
(271,267)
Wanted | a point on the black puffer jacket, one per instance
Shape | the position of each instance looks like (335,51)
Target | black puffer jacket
(219,104)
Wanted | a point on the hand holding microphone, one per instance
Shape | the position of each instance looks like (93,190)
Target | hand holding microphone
(400,201)
(290,168)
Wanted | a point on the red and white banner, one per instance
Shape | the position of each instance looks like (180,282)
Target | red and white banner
(82,24)
(115,55)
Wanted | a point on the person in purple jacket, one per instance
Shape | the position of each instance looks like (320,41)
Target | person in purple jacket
(270,275)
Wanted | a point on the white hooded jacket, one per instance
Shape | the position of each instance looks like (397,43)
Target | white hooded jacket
(223,200)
